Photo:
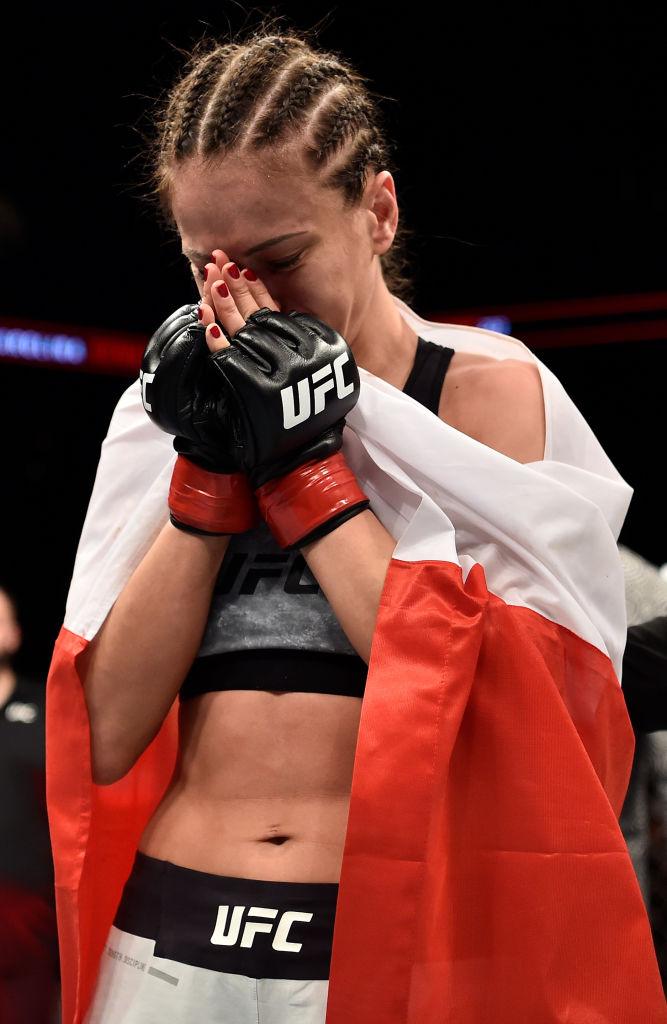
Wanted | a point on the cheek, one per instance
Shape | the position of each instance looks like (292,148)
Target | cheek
(318,295)
(320,285)
(334,306)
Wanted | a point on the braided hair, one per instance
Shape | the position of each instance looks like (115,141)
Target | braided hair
(266,92)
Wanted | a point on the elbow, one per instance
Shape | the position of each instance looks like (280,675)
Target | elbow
(111,758)
(105,770)
(102,778)
(114,751)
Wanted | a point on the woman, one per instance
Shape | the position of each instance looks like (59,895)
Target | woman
(271,165)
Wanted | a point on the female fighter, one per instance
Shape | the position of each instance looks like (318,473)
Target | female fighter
(272,166)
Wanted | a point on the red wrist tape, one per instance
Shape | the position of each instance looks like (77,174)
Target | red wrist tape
(296,504)
(214,502)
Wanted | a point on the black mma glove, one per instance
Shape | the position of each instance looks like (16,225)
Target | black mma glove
(291,380)
(181,393)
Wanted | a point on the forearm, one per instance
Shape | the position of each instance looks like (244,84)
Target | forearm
(350,564)
(133,669)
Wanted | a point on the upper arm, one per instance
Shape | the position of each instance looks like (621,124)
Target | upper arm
(516,424)
(501,404)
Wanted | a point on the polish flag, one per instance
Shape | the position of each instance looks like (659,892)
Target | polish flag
(485,877)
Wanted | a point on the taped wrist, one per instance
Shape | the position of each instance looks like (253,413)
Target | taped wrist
(311,501)
(201,501)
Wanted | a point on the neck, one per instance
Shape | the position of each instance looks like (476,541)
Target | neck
(384,344)
(7,683)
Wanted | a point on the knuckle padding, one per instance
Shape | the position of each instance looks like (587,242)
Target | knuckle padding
(293,328)
(259,345)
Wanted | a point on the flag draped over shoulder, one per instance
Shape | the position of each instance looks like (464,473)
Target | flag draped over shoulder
(484,876)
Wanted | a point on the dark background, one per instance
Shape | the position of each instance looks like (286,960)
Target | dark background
(530,164)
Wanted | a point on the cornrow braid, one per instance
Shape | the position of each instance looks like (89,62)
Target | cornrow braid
(196,89)
(293,98)
(238,92)
(350,178)
(340,121)
(181,113)
(274,90)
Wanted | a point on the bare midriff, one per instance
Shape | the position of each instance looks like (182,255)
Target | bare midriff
(262,784)
(261,787)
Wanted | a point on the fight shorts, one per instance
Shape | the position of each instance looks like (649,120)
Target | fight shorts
(188,946)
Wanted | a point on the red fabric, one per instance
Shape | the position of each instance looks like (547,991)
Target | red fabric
(94,829)
(485,877)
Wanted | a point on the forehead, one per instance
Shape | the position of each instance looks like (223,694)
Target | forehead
(236,203)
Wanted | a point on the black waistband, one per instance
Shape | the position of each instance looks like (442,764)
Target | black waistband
(260,929)
(284,670)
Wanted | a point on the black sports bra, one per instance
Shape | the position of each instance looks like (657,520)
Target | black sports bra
(270,627)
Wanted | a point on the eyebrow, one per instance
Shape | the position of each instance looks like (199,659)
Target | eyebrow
(192,254)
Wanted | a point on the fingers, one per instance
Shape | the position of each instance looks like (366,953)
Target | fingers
(226,313)
(247,284)
(240,290)
(230,297)
(211,275)
(206,313)
(215,339)
(220,257)
(259,291)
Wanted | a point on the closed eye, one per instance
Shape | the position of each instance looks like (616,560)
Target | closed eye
(282,265)
(286,264)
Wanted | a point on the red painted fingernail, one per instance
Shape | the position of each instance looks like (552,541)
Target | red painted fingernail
(205,272)
(200,313)
(234,272)
(216,332)
(250,274)
(222,289)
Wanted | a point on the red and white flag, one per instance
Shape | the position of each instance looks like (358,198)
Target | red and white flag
(484,877)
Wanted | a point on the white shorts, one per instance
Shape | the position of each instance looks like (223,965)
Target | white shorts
(197,948)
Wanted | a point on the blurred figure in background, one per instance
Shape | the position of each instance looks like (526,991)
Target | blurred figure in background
(644,816)
(29,967)
(645,668)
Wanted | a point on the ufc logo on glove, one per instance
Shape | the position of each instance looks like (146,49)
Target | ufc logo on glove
(303,388)
(222,937)
(279,457)
(144,380)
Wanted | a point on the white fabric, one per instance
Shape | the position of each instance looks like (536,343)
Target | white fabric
(134,986)
(545,532)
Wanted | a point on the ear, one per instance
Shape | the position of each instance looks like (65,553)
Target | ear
(383,211)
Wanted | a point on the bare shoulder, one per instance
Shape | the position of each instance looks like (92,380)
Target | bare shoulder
(499,402)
